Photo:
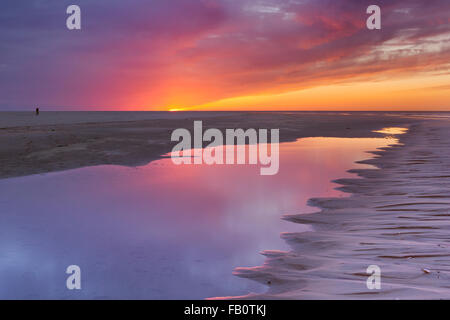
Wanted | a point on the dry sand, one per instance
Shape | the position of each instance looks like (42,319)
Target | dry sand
(397,218)
(56,141)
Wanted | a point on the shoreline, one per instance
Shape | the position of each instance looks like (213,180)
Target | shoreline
(395,216)
(387,221)
(70,144)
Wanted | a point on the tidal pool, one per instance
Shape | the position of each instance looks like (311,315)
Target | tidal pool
(161,231)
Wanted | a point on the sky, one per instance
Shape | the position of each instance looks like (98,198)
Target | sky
(225,55)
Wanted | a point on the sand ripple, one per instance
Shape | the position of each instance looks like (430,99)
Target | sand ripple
(397,218)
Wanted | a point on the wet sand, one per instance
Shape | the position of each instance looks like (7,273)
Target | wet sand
(397,218)
(55,141)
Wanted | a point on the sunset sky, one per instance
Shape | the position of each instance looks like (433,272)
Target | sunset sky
(225,55)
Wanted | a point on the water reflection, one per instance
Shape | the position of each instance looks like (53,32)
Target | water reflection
(160,231)
(392,130)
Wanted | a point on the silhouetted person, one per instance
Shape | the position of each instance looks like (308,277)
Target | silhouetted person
(37,111)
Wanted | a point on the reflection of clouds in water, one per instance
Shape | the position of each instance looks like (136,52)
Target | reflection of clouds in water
(23,270)
(162,231)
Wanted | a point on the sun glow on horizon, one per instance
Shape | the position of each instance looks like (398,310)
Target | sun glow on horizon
(176,109)
(425,93)
(229,55)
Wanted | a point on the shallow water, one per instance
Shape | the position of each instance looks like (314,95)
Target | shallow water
(160,231)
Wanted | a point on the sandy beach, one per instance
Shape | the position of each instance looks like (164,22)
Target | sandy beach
(396,218)
(55,141)
(395,215)
(209,153)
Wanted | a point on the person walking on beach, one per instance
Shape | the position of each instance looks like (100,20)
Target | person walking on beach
(37,111)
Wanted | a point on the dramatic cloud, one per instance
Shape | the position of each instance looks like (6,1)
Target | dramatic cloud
(156,54)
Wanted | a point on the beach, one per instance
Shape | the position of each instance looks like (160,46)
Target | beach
(396,218)
(214,152)
(394,213)
(55,141)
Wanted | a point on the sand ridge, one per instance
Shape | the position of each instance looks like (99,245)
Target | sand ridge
(55,141)
(397,218)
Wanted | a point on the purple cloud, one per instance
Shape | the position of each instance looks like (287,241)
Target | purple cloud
(157,53)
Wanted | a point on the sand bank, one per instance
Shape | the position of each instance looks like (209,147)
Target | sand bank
(55,141)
